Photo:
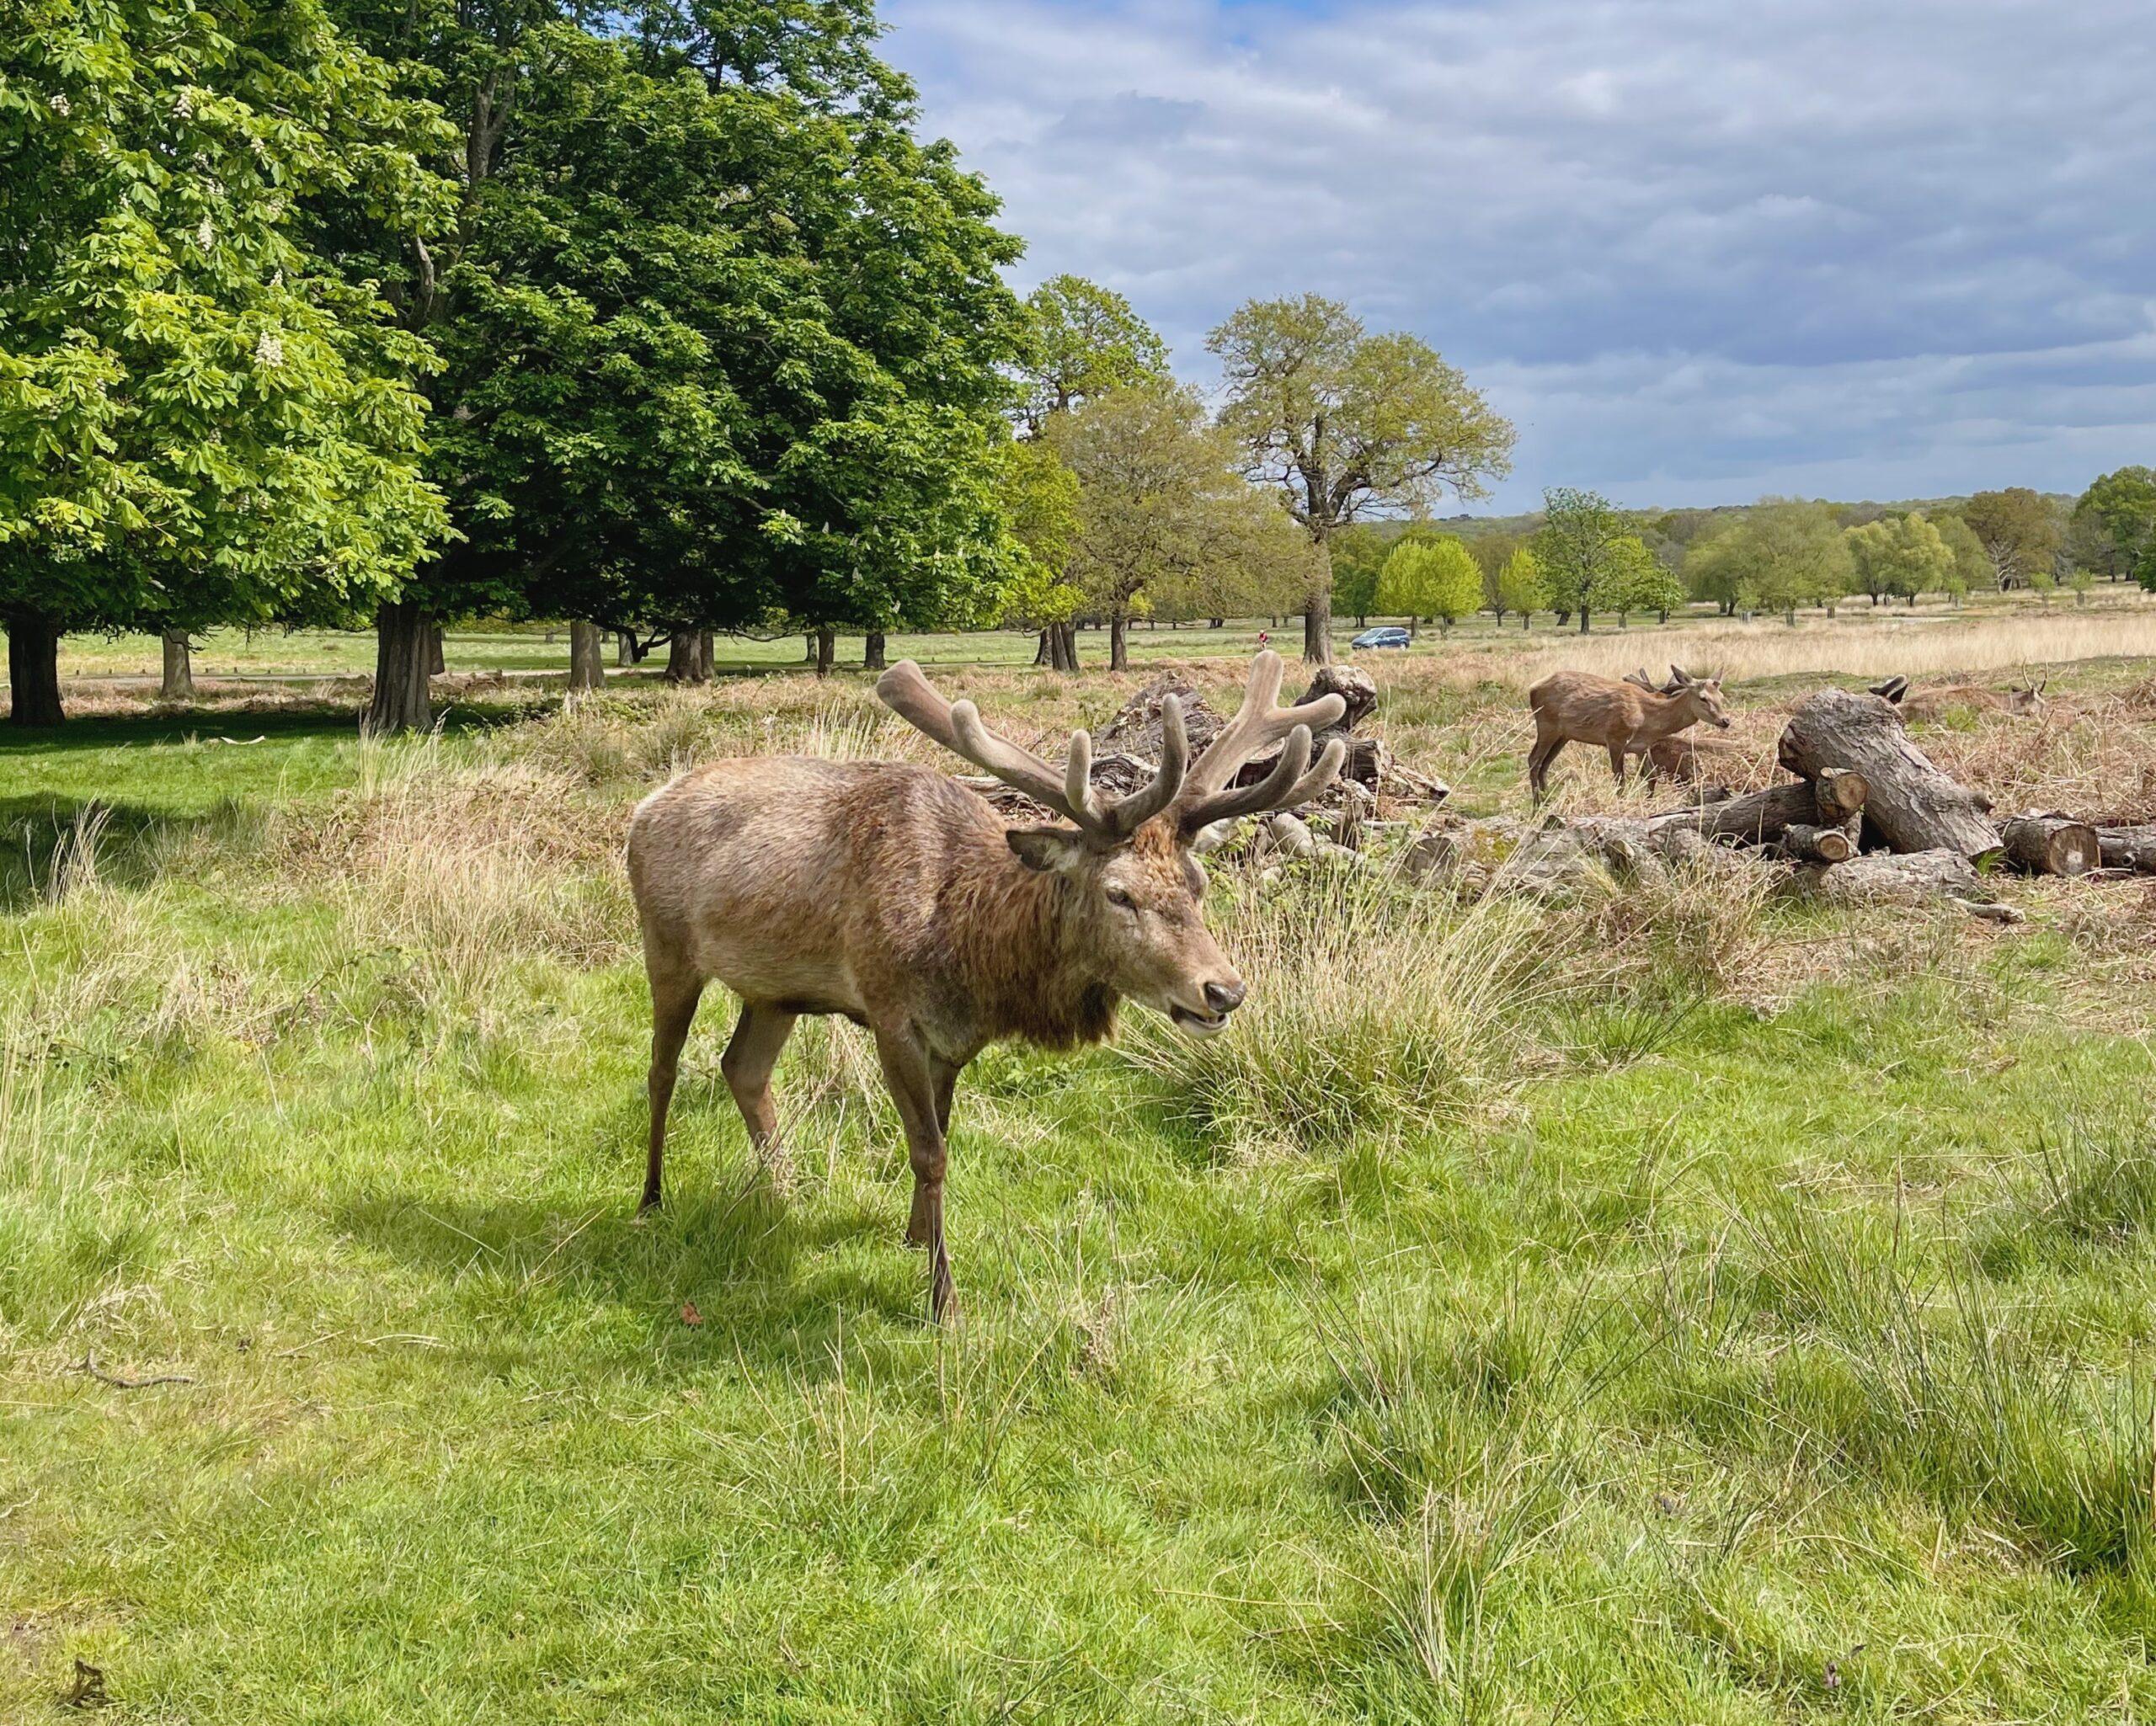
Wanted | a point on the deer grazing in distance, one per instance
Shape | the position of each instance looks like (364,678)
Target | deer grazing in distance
(1626,718)
(891,894)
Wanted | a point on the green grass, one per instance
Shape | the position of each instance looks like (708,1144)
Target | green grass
(1601,1312)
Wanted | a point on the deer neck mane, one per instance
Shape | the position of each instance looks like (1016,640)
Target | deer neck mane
(1022,950)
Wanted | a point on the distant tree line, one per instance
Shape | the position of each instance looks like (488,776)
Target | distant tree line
(1580,555)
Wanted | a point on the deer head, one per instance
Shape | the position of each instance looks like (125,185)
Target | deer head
(1130,888)
(2026,698)
(1700,696)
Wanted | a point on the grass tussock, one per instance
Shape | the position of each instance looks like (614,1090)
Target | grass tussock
(1373,1010)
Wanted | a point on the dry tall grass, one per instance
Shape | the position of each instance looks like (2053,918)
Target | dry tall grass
(1860,643)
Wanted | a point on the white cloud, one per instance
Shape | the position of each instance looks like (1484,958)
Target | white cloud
(1693,247)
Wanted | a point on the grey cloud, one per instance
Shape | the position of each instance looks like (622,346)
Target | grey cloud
(1690,246)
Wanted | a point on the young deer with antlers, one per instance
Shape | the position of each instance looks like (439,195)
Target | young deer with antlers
(892,895)
(1626,718)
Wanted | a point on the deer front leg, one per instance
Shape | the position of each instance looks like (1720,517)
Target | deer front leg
(1617,752)
(921,1085)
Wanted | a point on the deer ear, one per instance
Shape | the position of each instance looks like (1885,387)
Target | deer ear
(1046,848)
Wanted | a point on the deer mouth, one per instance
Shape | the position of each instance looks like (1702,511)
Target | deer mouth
(1198,1024)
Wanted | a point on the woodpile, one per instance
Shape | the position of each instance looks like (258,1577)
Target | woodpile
(1868,818)
(1373,780)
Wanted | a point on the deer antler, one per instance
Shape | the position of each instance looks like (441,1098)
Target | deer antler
(957,726)
(1258,726)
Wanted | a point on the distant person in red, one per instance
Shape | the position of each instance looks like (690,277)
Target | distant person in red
(1264,638)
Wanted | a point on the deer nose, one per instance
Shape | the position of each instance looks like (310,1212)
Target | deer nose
(1225,996)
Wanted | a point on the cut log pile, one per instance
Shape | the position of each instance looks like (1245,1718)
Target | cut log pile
(1867,819)
(1373,780)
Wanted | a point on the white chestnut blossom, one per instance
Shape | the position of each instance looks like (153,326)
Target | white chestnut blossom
(268,349)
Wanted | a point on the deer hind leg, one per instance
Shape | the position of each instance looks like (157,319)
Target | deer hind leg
(1546,746)
(674,998)
(921,1085)
(1617,763)
(751,1052)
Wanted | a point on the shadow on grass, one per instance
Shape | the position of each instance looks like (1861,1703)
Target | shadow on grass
(755,1269)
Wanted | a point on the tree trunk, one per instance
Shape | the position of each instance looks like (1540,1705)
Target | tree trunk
(1118,658)
(33,668)
(178,683)
(1040,649)
(683,657)
(1064,639)
(1584,616)
(827,649)
(2128,848)
(1317,631)
(1807,843)
(404,642)
(706,656)
(1909,803)
(587,663)
(1765,817)
(2051,844)
(872,651)
(625,647)
(1883,879)
(435,664)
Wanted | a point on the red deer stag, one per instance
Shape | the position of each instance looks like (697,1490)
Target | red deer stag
(2022,701)
(893,895)
(1626,718)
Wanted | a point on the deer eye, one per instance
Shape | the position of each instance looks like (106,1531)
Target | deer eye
(1121,900)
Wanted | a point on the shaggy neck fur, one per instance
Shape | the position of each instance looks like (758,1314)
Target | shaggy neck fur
(1020,944)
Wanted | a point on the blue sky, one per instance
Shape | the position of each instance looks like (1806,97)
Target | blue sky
(1698,250)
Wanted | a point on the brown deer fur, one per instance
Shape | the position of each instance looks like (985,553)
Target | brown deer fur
(893,896)
(1625,717)
(2020,700)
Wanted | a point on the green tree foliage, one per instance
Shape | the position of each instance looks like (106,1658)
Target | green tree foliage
(2019,532)
(2114,523)
(1634,579)
(1491,551)
(1898,557)
(1971,566)
(1040,504)
(200,419)
(721,346)
(1345,423)
(1160,507)
(1521,588)
(1435,578)
(1575,549)
(1357,553)
(1785,553)
(1081,340)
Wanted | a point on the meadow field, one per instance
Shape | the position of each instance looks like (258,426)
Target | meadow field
(1674,1303)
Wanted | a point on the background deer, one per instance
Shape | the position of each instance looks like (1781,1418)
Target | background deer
(892,895)
(2020,700)
(1625,718)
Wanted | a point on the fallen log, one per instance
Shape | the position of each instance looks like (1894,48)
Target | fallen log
(1886,878)
(1804,843)
(1908,802)
(2051,845)
(2128,848)
(1833,799)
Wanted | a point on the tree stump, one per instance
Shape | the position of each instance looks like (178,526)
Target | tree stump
(1804,842)
(1909,803)
(1352,684)
(2051,844)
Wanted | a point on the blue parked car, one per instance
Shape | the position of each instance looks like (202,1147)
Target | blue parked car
(1387,635)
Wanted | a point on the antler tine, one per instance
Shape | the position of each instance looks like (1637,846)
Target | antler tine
(1017,767)
(1292,781)
(958,726)
(1134,812)
(1258,725)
